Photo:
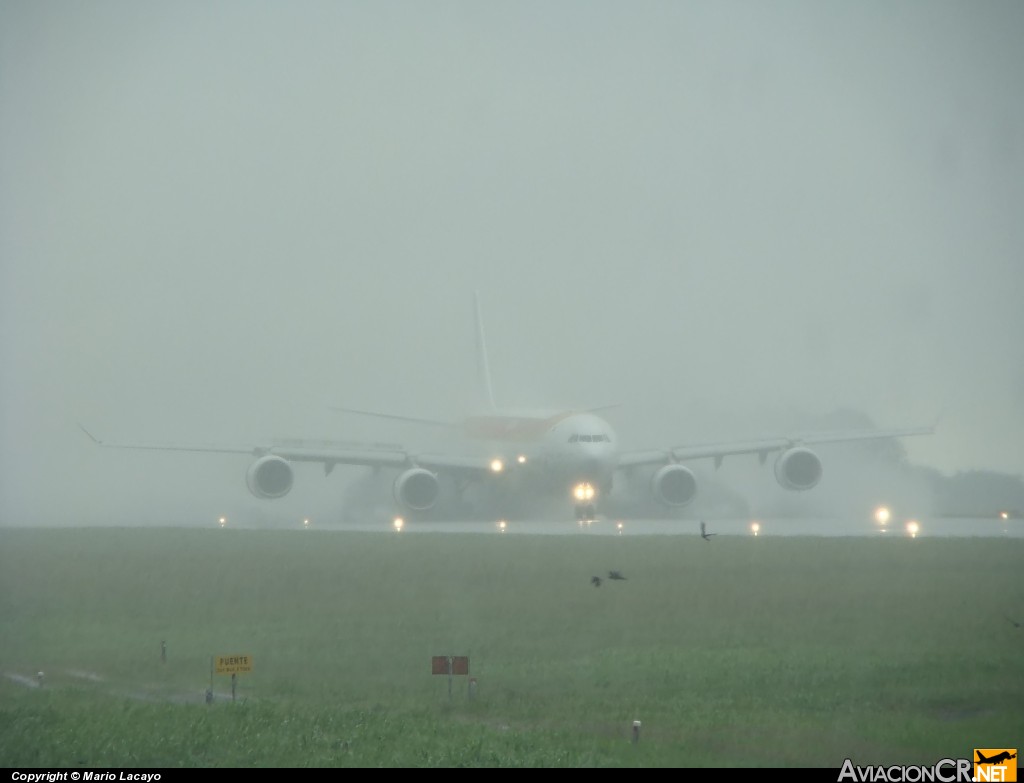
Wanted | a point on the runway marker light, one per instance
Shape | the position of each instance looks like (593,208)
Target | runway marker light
(619,526)
(305,523)
(497,465)
(521,459)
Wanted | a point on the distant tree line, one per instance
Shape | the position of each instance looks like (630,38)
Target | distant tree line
(975,493)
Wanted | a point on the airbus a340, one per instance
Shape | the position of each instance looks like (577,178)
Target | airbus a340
(521,463)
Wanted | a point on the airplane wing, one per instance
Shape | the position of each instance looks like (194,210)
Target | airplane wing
(330,453)
(412,419)
(762,447)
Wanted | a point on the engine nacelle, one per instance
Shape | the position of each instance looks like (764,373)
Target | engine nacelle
(269,477)
(417,489)
(674,485)
(798,468)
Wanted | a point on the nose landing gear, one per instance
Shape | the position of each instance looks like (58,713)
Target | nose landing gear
(586,512)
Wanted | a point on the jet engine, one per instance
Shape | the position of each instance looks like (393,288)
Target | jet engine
(798,468)
(417,489)
(674,485)
(269,477)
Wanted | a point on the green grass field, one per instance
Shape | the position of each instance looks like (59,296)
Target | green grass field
(741,652)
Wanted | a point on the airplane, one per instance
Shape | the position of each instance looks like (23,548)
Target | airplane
(521,463)
(1003,756)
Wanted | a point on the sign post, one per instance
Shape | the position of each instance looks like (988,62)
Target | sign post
(228,664)
(450,665)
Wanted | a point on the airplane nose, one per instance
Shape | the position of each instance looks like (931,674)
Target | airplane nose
(598,463)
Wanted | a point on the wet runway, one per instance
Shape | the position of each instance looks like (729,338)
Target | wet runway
(895,528)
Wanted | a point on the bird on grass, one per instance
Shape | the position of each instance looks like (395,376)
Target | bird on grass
(704,533)
(595,581)
(1015,623)
(615,575)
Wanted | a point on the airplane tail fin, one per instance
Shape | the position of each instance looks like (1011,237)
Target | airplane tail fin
(483,368)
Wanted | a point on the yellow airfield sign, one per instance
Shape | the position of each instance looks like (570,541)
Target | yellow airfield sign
(232,664)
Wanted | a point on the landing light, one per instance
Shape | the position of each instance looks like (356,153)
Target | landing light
(305,523)
(583,491)
(1004,515)
(502,525)
(223,521)
(521,459)
(399,523)
(912,528)
(882,515)
(497,465)
(755,527)
(619,526)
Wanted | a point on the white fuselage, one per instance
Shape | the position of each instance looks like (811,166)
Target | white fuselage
(558,452)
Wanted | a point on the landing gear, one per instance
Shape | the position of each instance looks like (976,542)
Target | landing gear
(586,513)
(584,494)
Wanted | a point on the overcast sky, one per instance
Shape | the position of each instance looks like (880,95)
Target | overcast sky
(219,219)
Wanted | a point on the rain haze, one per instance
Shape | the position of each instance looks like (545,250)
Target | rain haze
(728,219)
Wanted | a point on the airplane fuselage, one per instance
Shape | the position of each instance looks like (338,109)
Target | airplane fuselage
(574,453)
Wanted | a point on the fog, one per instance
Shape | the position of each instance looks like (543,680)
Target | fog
(729,219)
